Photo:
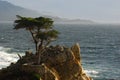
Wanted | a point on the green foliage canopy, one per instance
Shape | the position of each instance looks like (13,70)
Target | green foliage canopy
(41,29)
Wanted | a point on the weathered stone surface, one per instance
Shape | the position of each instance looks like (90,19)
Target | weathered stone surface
(41,70)
(76,50)
(56,63)
(65,63)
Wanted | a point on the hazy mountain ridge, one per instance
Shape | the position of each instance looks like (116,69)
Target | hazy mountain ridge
(70,21)
(8,12)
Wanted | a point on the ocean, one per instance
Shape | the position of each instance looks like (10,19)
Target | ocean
(100,46)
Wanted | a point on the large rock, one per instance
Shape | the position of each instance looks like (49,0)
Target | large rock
(56,63)
(76,50)
(65,63)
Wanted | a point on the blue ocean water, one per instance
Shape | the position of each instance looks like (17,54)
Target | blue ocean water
(100,46)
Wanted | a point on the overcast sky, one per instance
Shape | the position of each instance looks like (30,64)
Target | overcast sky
(97,10)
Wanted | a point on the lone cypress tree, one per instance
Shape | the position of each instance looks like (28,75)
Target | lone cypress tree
(41,30)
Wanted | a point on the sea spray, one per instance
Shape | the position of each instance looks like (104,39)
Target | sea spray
(6,58)
(92,73)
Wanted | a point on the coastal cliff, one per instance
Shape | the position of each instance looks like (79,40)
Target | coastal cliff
(56,63)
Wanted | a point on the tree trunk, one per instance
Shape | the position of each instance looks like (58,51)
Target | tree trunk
(36,47)
(41,43)
(40,51)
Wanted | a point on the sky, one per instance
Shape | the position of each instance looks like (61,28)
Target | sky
(96,10)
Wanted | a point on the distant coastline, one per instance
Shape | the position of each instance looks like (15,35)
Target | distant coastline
(8,12)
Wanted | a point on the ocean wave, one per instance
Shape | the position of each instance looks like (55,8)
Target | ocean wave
(92,73)
(6,58)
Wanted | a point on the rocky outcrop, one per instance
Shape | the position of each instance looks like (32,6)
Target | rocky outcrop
(65,62)
(56,63)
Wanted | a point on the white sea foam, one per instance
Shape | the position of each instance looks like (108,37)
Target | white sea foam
(7,58)
(92,73)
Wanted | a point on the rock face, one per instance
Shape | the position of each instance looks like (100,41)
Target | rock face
(57,63)
(65,63)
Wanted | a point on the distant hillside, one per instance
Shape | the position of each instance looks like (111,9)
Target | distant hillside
(59,20)
(9,11)
(71,21)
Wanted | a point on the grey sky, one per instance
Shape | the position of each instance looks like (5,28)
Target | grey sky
(98,10)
